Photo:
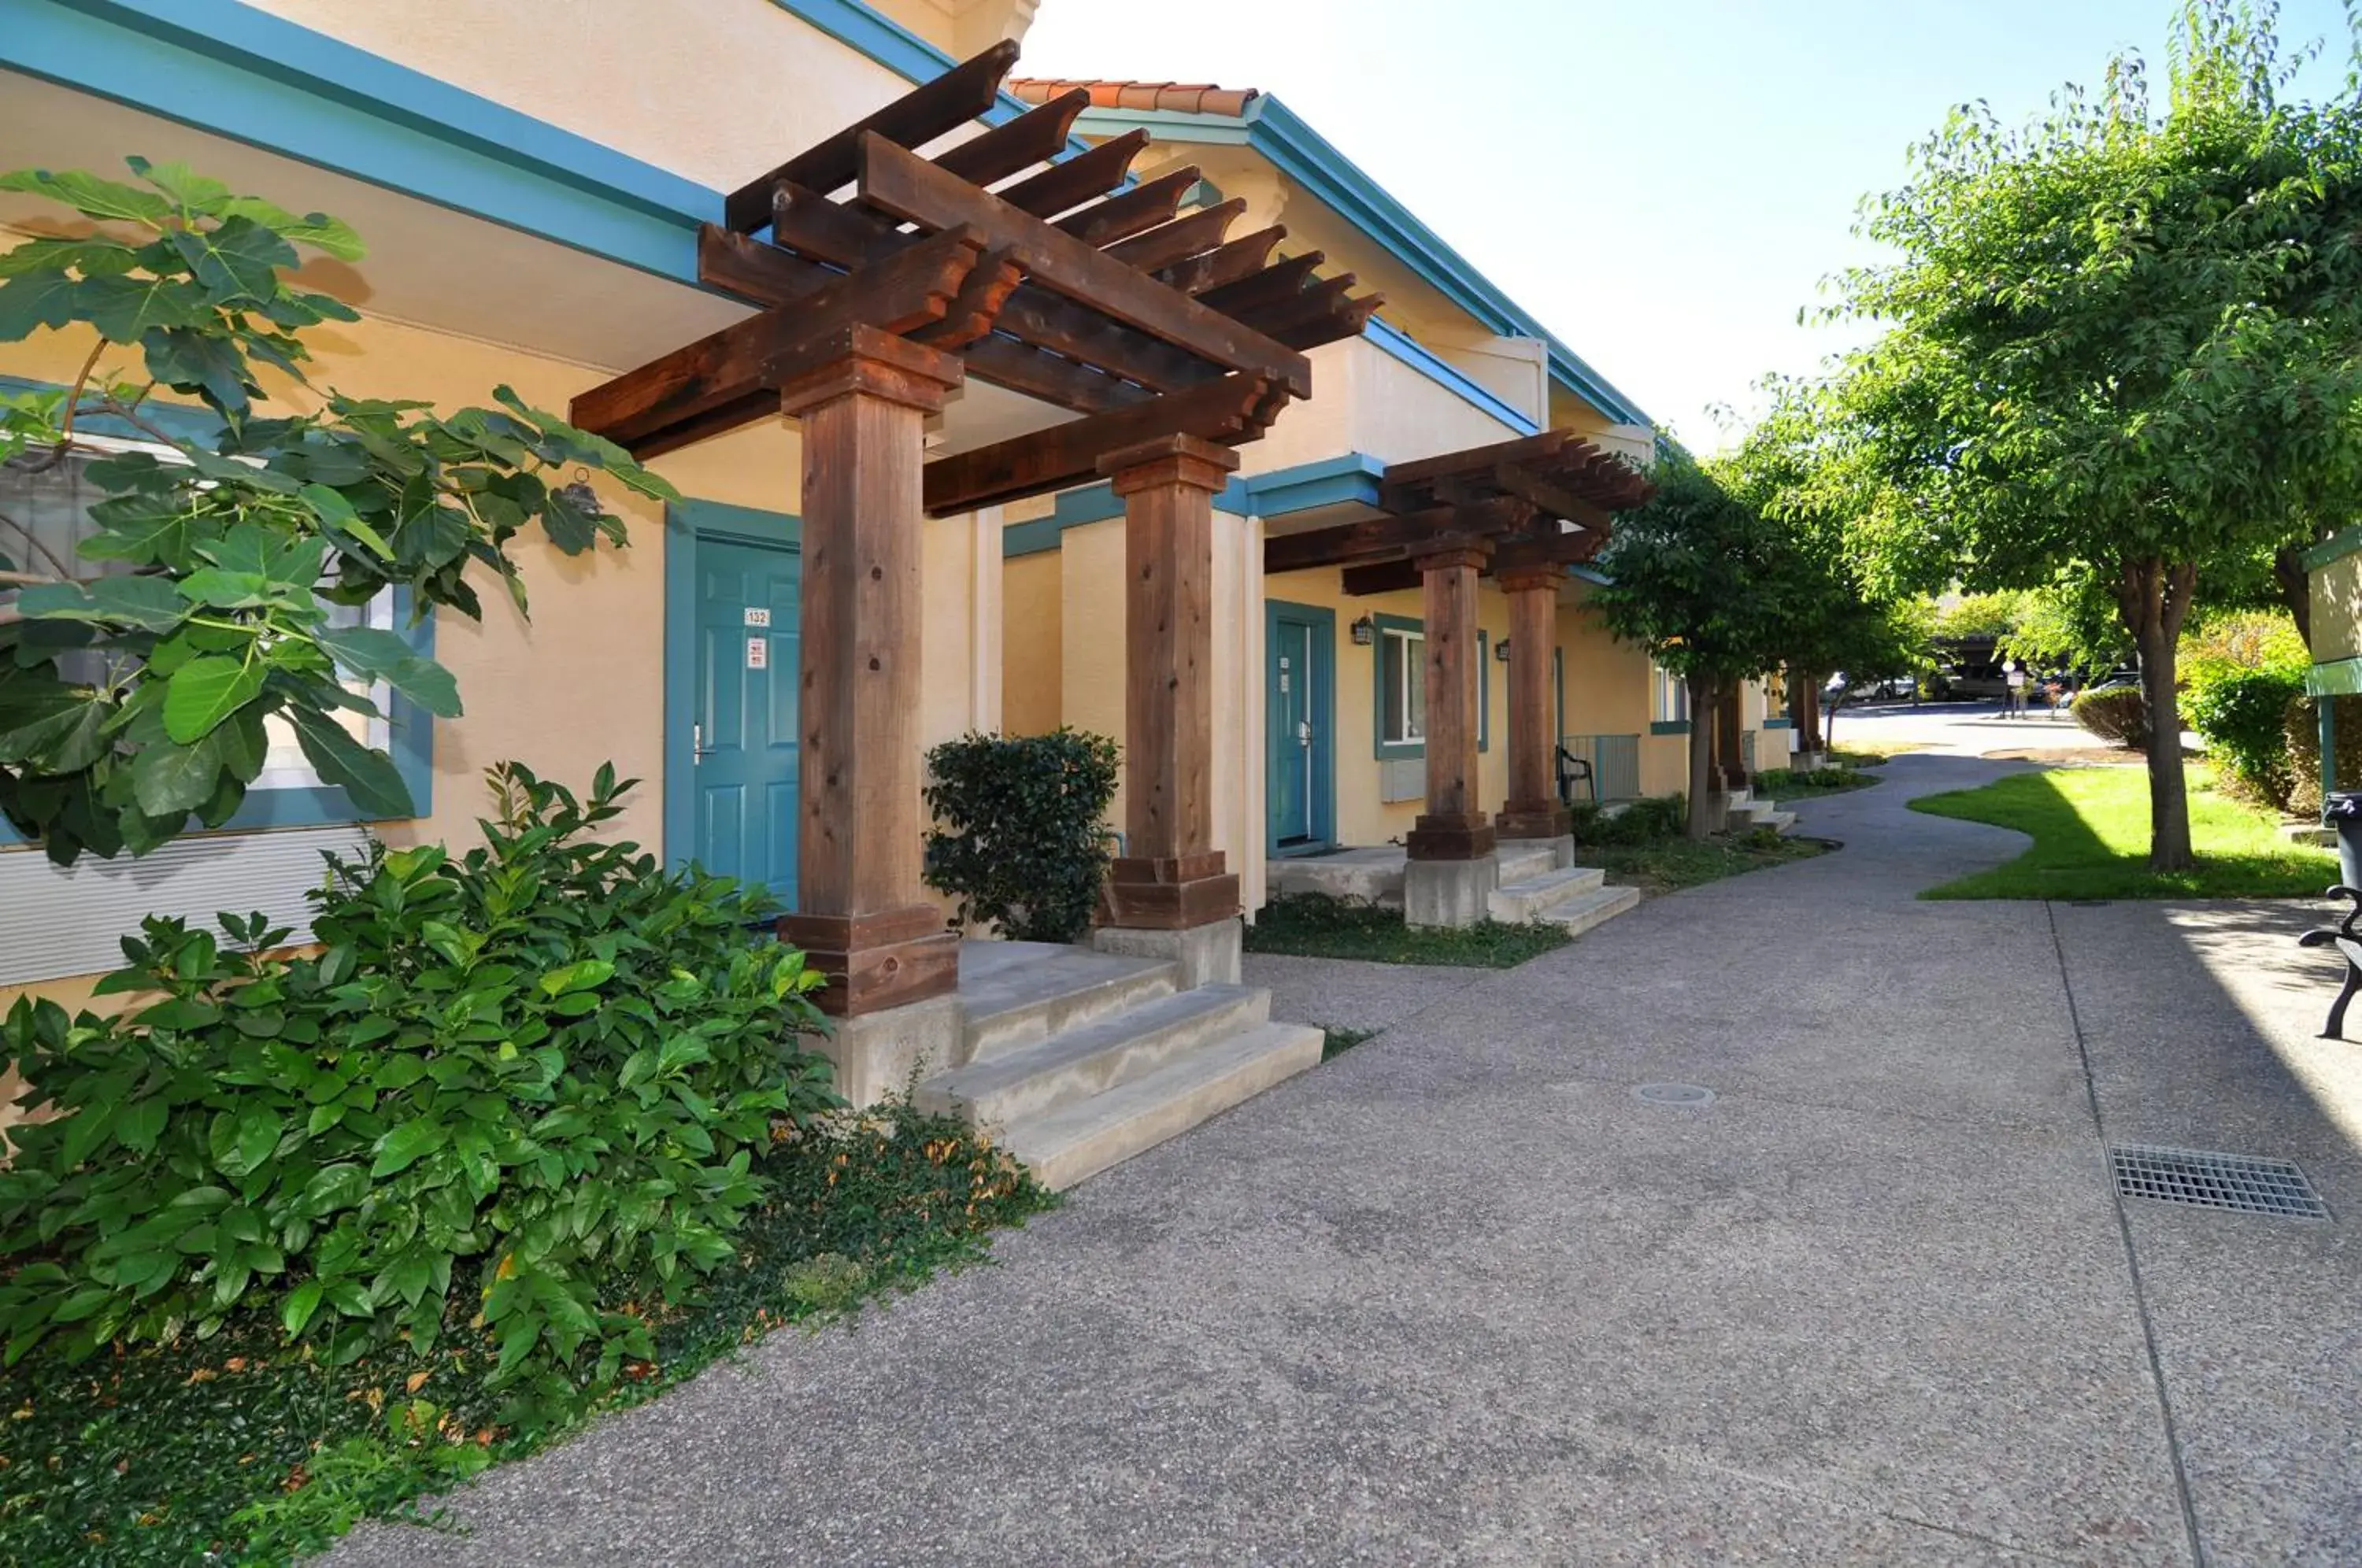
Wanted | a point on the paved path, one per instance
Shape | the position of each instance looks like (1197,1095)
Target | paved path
(1459,1296)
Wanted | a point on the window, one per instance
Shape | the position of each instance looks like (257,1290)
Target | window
(1672,705)
(45,515)
(1402,683)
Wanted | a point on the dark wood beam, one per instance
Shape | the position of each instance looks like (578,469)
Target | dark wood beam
(837,233)
(1554,499)
(1548,445)
(972,312)
(1177,242)
(1145,205)
(1345,320)
(1302,308)
(1239,259)
(1236,408)
(1378,537)
(1381,576)
(726,368)
(1280,280)
(910,187)
(1087,175)
(1510,555)
(1034,137)
(917,117)
(758,271)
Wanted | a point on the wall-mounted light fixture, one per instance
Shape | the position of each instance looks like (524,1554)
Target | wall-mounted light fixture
(1501,650)
(1366,632)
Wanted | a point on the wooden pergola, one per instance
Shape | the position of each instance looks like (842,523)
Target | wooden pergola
(887,276)
(1522,510)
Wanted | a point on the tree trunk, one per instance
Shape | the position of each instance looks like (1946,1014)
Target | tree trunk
(2296,588)
(1805,709)
(2154,597)
(1703,783)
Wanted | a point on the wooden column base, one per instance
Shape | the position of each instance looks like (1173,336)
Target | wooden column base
(1533,819)
(877,961)
(1168,894)
(1454,836)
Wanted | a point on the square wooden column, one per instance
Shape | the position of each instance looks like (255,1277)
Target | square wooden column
(1728,724)
(1451,828)
(862,911)
(1532,810)
(1171,877)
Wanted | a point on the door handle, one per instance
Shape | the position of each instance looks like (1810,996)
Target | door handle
(1303,733)
(697,750)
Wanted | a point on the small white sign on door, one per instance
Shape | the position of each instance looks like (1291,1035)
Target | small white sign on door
(759,653)
(758,617)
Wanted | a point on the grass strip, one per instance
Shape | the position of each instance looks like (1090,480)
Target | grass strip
(2091,829)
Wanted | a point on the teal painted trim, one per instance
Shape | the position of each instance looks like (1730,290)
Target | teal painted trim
(410,729)
(1668,727)
(2340,677)
(1295,148)
(1397,751)
(685,521)
(1779,723)
(1589,574)
(2336,548)
(1329,481)
(238,72)
(1322,808)
(1411,352)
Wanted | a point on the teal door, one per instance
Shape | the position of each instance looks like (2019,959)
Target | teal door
(1300,642)
(743,712)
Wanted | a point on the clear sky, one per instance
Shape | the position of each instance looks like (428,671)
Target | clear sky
(1664,182)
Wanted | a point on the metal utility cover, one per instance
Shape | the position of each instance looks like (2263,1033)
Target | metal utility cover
(2208,1180)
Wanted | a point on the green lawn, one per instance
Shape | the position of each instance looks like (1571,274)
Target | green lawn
(2090,827)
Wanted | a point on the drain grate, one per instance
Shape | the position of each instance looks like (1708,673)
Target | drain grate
(2215,1181)
(1673,1094)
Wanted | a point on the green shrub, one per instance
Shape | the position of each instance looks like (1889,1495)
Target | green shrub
(2303,733)
(515,1093)
(1644,821)
(2243,713)
(2117,715)
(1020,839)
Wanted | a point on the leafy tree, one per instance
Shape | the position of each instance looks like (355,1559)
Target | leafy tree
(135,679)
(1693,577)
(2121,342)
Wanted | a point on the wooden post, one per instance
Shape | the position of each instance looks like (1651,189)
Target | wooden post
(1451,828)
(1171,877)
(1532,810)
(862,911)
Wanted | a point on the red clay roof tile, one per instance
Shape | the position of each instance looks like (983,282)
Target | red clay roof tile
(1187,98)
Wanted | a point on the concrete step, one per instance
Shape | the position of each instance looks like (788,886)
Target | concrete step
(1522,860)
(1777,820)
(1079,1063)
(1514,903)
(1075,1141)
(1578,915)
(1037,989)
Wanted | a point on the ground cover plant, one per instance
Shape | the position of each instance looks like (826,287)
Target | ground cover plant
(2090,827)
(1336,1042)
(1314,926)
(244,1447)
(1644,846)
(1810,783)
(1865,752)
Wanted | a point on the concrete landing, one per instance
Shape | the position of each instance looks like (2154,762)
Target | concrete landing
(1374,875)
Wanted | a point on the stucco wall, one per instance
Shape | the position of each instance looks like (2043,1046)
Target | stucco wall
(2337,610)
(1366,400)
(1031,640)
(718,91)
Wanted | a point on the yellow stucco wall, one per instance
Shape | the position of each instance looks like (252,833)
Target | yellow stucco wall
(2337,610)
(1366,400)
(718,91)
(1032,626)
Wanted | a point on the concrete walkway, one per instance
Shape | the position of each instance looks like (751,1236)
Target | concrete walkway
(1460,1296)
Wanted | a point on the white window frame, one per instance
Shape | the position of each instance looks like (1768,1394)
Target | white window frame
(1410,673)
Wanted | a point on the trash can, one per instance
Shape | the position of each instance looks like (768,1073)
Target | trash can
(2343,811)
